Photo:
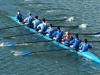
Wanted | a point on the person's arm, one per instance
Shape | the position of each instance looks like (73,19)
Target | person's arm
(39,25)
(72,41)
(16,17)
(22,17)
(54,34)
(89,46)
(80,48)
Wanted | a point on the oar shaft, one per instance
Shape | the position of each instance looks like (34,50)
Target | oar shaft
(51,50)
(45,41)
(32,25)
(66,26)
(28,52)
(34,42)
(17,35)
(84,33)
(92,41)
(14,27)
(9,27)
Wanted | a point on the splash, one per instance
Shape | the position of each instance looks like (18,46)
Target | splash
(96,35)
(83,26)
(16,53)
(70,19)
(2,44)
(49,11)
(23,44)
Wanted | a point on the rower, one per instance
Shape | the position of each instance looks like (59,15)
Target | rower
(66,40)
(50,31)
(19,16)
(28,20)
(75,42)
(36,22)
(42,27)
(58,34)
(84,47)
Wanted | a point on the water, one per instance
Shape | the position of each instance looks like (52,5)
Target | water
(48,63)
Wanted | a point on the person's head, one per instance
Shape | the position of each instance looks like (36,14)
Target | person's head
(67,33)
(18,11)
(36,17)
(76,35)
(29,14)
(85,40)
(43,20)
(58,27)
(50,25)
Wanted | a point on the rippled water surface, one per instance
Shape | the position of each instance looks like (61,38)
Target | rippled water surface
(82,12)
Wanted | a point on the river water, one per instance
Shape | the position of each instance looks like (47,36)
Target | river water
(83,12)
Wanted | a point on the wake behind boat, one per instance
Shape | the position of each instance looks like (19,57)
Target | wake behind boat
(86,54)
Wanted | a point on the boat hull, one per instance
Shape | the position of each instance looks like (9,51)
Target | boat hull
(86,54)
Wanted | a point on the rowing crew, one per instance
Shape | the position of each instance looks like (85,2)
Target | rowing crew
(53,33)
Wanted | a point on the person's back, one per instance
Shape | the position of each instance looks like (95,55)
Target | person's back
(36,22)
(75,42)
(19,16)
(85,46)
(50,31)
(28,20)
(43,26)
(58,34)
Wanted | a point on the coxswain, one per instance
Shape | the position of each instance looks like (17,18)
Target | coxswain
(42,27)
(84,47)
(36,22)
(66,40)
(75,42)
(50,31)
(28,20)
(19,16)
(57,35)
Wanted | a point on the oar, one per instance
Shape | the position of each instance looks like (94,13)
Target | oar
(58,20)
(93,41)
(14,43)
(11,27)
(32,25)
(29,52)
(65,19)
(97,33)
(77,26)
(68,26)
(16,35)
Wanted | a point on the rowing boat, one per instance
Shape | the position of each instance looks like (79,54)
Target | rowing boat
(86,54)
